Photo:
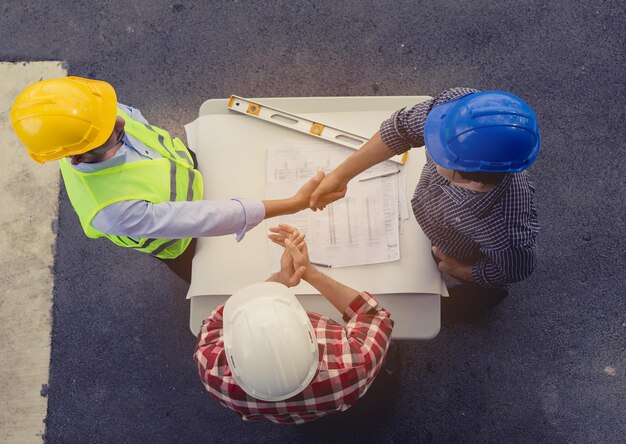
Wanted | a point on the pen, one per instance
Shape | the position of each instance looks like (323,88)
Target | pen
(379,175)
(322,265)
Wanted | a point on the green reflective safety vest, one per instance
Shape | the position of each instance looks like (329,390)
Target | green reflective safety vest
(170,178)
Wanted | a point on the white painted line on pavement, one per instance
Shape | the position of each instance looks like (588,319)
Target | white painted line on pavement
(28,210)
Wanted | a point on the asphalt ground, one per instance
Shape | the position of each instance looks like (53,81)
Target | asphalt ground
(546,365)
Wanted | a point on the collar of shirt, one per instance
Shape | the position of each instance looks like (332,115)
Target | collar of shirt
(131,150)
(482,202)
(476,202)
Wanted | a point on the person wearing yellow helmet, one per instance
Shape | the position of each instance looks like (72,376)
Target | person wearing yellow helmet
(474,199)
(127,180)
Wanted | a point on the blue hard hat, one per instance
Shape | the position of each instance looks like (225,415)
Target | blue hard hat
(490,131)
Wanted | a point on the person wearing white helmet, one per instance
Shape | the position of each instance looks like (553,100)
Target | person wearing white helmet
(474,199)
(263,356)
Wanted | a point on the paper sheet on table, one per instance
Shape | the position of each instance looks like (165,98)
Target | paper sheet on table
(222,266)
(302,160)
(360,229)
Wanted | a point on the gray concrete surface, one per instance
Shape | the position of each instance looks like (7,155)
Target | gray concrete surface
(26,261)
(546,365)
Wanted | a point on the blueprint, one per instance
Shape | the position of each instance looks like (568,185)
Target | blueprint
(362,228)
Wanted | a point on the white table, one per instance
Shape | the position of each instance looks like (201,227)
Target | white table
(232,151)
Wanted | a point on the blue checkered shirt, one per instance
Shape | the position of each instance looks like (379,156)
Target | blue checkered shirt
(495,231)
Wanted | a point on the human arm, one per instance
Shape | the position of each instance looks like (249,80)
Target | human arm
(369,326)
(209,353)
(338,294)
(368,331)
(403,130)
(179,220)
(504,263)
(453,266)
(200,218)
(295,203)
(496,269)
(502,268)
(334,186)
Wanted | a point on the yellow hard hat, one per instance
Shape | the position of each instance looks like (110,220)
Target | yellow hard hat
(57,118)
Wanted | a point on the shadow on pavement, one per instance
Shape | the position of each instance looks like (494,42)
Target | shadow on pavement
(467,304)
(373,409)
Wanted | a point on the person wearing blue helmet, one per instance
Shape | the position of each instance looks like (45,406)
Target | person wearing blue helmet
(474,199)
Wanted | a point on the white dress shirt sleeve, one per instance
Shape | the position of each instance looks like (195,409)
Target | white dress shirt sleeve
(179,220)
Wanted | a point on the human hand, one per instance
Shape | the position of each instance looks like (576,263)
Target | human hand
(281,232)
(291,271)
(293,241)
(453,266)
(303,195)
(333,187)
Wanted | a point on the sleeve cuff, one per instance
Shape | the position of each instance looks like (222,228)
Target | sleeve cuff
(254,213)
(479,276)
(363,303)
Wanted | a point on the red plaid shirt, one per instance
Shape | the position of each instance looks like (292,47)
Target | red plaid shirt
(350,359)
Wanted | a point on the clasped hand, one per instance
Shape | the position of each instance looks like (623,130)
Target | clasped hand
(453,266)
(294,262)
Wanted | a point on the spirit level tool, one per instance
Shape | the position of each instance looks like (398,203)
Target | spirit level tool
(299,123)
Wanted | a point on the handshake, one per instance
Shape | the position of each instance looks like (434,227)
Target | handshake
(320,191)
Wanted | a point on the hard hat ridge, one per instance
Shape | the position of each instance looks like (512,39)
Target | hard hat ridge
(269,342)
(491,131)
(56,118)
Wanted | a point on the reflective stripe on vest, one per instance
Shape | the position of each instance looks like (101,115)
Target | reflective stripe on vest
(170,178)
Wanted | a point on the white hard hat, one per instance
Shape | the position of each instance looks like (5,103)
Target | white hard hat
(269,341)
